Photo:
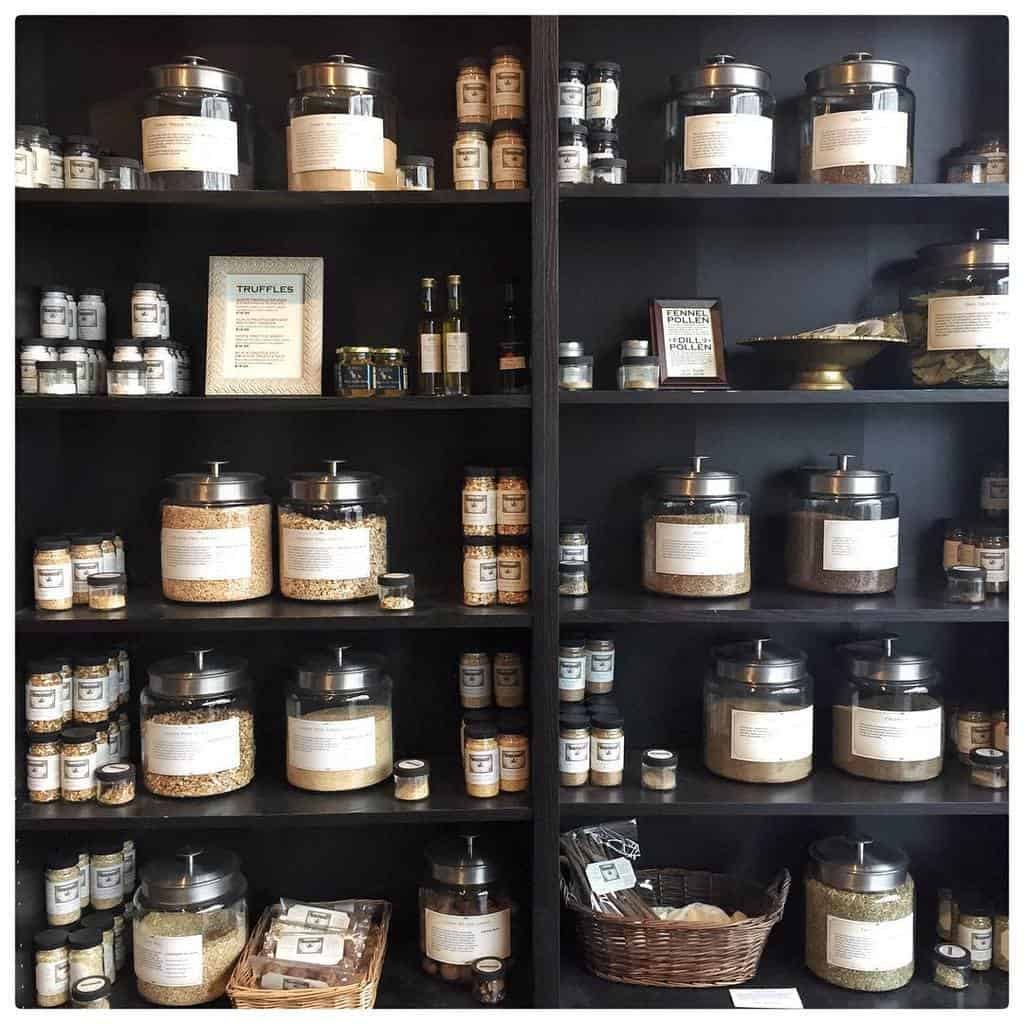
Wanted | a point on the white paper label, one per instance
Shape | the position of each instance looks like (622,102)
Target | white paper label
(471,162)
(572,100)
(453,939)
(479,508)
(81,172)
(772,736)
(474,100)
(602,99)
(513,508)
(574,756)
(174,143)
(513,575)
(43,703)
(200,749)
(971,735)
(607,876)
(572,160)
(896,735)
(456,352)
(969,322)
(52,978)
(727,140)
(91,694)
(600,666)
(480,575)
(607,755)
(995,562)
(206,554)
(326,746)
(475,682)
(325,554)
(766,999)
(76,774)
(515,763)
(175,961)
(870,945)
(337,142)
(311,947)
(699,549)
(52,582)
(868,545)
(857,137)
(572,673)
(61,897)
(689,340)
(106,882)
(977,941)
(42,773)
(263,326)
(81,570)
(574,552)
(482,768)
(430,353)
(995,493)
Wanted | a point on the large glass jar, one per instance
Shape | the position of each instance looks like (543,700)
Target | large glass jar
(465,913)
(887,716)
(189,925)
(758,713)
(957,309)
(196,131)
(696,533)
(333,533)
(339,722)
(721,124)
(197,725)
(857,123)
(843,535)
(859,914)
(343,128)
(215,537)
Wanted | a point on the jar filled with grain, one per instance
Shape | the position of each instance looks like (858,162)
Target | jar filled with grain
(91,993)
(339,722)
(973,729)
(479,571)
(572,669)
(115,784)
(473,91)
(600,664)
(513,555)
(951,966)
(85,955)
(512,512)
(412,779)
(215,537)
(1001,729)
(475,681)
(974,929)
(508,84)
(509,679)
(470,159)
(859,914)
(607,747)
(696,539)
(51,967)
(103,922)
(1001,939)
(481,759)
(44,705)
(86,559)
(106,873)
(77,763)
(42,767)
(480,502)
(189,926)
(573,745)
(61,885)
(333,533)
(197,725)
(51,574)
(992,556)
(514,751)
(509,168)
(91,686)
(989,768)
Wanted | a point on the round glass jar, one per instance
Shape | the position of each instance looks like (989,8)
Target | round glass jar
(122,174)
(77,756)
(54,314)
(573,153)
(951,966)
(696,535)
(44,705)
(91,688)
(51,574)
(607,747)
(215,537)
(61,889)
(196,725)
(489,981)
(81,162)
(160,367)
(390,373)
(463,884)
(412,779)
(602,145)
(479,571)
(91,993)
(572,669)
(473,91)
(965,584)
(354,371)
(573,541)
(992,556)
(859,914)
(759,713)
(990,768)
(573,745)
(115,784)
(481,758)
(843,534)
(416,174)
(106,874)
(576,373)
(973,729)
(600,664)
(92,314)
(31,352)
(857,123)
(396,591)
(196,133)
(509,167)
(887,716)
(639,373)
(512,498)
(574,579)
(658,769)
(339,722)
(42,767)
(85,955)
(24,158)
(572,91)
(107,591)
(604,171)
(51,967)
(509,682)
(604,83)
(956,305)
(333,534)
(974,929)
(56,377)
(189,925)
(508,84)
(470,159)
(126,379)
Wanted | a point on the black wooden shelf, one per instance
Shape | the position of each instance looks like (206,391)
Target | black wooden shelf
(784,192)
(224,403)
(729,396)
(912,601)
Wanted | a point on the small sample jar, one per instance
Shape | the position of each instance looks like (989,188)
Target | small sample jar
(396,591)
(103,922)
(481,759)
(607,748)
(31,352)
(965,584)
(416,173)
(989,767)
(576,373)
(945,924)
(513,559)
(512,511)
(973,730)
(602,145)
(479,501)
(514,751)
(983,161)
(573,745)
(574,579)
(479,571)
(604,81)
(106,874)
(509,684)
(608,171)
(390,373)
(91,993)
(489,981)
(470,160)
(51,967)
(509,166)
(92,315)
(508,84)
(85,956)
(24,158)
(44,705)
(121,174)
(951,966)
(475,683)
(126,379)
(102,741)
(91,683)
(412,779)
(81,162)
(107,591)
(639,373)
(992,556)
(52,574)
(573,541)
(115,784)
(42,767)
(573,153)
(572,91)
(473,91)
(658,769)
(56,377)
(974,930)
(158,355)
(1001,940)
(354,371)
(61,885)
(600,670)
(145,309)
(572,669)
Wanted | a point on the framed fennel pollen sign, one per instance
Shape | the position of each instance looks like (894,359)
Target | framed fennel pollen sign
(264,330)
(688,341)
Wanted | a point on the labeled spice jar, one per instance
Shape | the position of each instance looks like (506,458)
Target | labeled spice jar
(696,536)
(91,993)
(161,367)
(989,768)
(91,688)
(951,966)
(354,371)
(992,556)
(514,751)
(573,541)
(42,767)
(513,556)
(56,377)
(974,930)
(843,533)
(197,725)
(416,174)
(857,123)
(31,352)
(51,967)
(107,591)
(81,162)
(480,501)
(475,683)
(106,874)
(658,769)
(54,314)
(994,490)
(945,926)
(52,574)
(973,730)
(479,571)
(61,886)
(509,167)
(101,737)
(481,759)
(759,713)
(509,683)
(965,584)
(468,715)
(859,914)
(887,716)
(83,875)
(103,922)
(574,579)
(24,158)
(122,174)
(572,669)
(390,373)
(465,912)
(412,779)
(573,745)
(604,82)
(639,373)
(573,154)
(189,926)
(572,91)
(473,91)
(470,159)
(77,755)
(489,985)
(602,145)
(508,84)
(85,956)
(576,373)
(983,161)
(512,501)
(608,171)
(607,748)
(86,559)
(339,722)
(600,670)
(396,591)
(1001,940)
(43,696)
(115,784)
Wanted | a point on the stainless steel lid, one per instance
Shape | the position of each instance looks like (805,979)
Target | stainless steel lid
(697,482)
(216,487)
(461,860)
(192,876)
(338,670)
(722,70)
(858,68)
(334,484)
(200,673)
(761,662)
(858,863)
(879,661)
(570,348)
(979,251)
(842,481)
(339,70)
(193,72)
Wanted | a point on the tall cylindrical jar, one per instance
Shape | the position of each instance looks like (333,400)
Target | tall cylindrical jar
(51,574)
(473,91)
(470,158)
(573,746)
(508,84)
(509,167)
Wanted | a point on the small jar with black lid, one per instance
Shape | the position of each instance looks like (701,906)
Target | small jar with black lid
(81,162)
(607,747)
(573,745)
(508,83)
(658,769)
(604,82)
(51,967)
(605,171)
(602,145)
(990,768)
(56,377)
(639,373)
(573,153)
(416,174)
(574,579)
(572,91)
(951,966)
(91,993)
(473,91)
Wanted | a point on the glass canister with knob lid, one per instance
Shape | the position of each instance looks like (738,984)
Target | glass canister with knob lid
(758,713)
(189,925)
(339,722)
(887,716)
(843,533)
(196,131)
(333,534)
(465,912)
(696,534)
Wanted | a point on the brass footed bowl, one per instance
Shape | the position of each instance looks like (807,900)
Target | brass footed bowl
(821,363)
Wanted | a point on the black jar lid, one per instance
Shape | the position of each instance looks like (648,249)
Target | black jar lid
(973,904)
(414,160)
(507,50)
(105,579)
(858,68)
(951,955)
(507,124)
(979,251)
(657,758)
(880,662)
(966,573)
(858,864)
(480,730)
(192,72)
(78,734)
(989,757)
(90,989)
(50,938)
(61,859)
(337,670)
(215,487)
(89,141)
(471,127)
(603,135)
(120,161)
(200,673)
(116,771)
(55,364)
(475,471)
(606,65)
(462,860)
(103,847)
(395,579)
(85,938)
(513,722)
(411,768)
(101,920)
(43,737)
(334,484)
(697,482)
(44,666)
(477,715)
(607,717)
(473,62)
(760,662)
(570,126)
(573,526)
(338,69)
(573,716)
(574,67)
(842,481)
(191,877)
(722,70)
(606,163)
(488,968)
(92,660)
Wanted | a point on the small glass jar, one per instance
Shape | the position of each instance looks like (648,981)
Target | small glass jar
(479,571)
(945,924)
(572,91)
(509,166)
(106,874)
(54,314)
(994,490)
(489,981)
(56,377)
(990,768)
(479,501)
(81,162)
(602,145)
(508,84)
(953,535)
(473,91)
(574,579)
(44,706)
(128,855)
(992,556)
(91,682)
(509,684)
(512,497)
(973,729)
(31,352)
(983,161)
(1001,729)
(160,367)
(52,574)
(475,682)
(24,158)
(412,779)
(607,748)
(658,769)
(107,591)
(51,967)
(390,373)
(115,784)
(513,751)
(974,930)
(608,171)
(513,559)
(600,669)
(56,147)
(604,82)
(103,922)
(1001,940)
(576,373)
(481,758)
(122,174)
(91,993)
(573,541)
(639,373)
(126,379)
(120,935)
(37,139)
(965,584)
(85,956)
(573,745)
(951,966)
(354,371)
(572,669)
(42,767)
(92,315)
(77,756)
(573,153)
(145,307)
(416,174)
(470,160)
(61,885)
(396,591)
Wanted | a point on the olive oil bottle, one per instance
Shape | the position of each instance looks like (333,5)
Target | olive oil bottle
(431,363)
(455,341)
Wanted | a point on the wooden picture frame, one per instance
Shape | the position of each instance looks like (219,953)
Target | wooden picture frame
(689,343)
(264,327)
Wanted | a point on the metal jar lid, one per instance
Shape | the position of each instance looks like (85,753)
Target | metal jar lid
(879,661)
(200,673)
(858,864)
(858,68)
(842,481)
(215,487)
(337,670)
(978,251)
(723,71)
(461,860)
(340,71)
(193,876)
(334,484)
(193,72)
(761,662)
(989,757)
(697,482)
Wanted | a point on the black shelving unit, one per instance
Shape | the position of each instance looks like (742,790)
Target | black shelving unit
(781,257)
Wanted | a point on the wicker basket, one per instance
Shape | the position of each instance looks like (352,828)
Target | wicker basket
(674,954)
(245,993)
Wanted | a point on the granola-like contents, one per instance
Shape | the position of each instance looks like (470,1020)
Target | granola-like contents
(719,585)
(479,573)
(51,569)
(513,505)
(42,769)
(513,574)
(479,503)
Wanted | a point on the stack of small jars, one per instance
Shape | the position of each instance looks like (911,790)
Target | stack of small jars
(588,123)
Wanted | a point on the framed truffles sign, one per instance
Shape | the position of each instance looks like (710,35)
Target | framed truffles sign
(264,333)
(688,342)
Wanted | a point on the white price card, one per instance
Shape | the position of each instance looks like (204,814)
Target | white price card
(607,876)
(766,999)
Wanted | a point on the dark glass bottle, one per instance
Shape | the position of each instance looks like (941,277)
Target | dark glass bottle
(431,365)
(513,360)
(455,341)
